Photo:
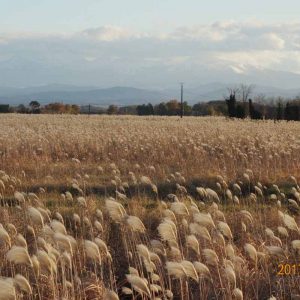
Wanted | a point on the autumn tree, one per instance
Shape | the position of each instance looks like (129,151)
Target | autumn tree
(112,110)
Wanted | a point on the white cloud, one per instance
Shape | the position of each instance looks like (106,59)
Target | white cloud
(272,40)
(107,33)
(239,69)
(116,52)
(254,59)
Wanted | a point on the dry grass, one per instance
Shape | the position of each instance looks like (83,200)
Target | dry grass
(148,208)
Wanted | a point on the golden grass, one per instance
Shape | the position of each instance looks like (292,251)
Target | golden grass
(99,207)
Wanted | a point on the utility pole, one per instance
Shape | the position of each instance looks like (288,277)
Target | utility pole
(181,101)
(89,109)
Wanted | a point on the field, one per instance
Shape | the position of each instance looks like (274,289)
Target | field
(121,207)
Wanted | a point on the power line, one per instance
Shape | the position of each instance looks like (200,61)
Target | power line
(181,101)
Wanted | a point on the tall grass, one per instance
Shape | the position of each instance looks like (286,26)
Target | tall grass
(107,208)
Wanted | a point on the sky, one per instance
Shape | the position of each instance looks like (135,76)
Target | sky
(75,15)
(148,43)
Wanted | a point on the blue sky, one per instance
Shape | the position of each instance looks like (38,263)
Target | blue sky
(149,43)
(74,15)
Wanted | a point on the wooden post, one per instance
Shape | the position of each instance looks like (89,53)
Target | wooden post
(181,101)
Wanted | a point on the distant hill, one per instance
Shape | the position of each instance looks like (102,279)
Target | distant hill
(103,97)
(125,95)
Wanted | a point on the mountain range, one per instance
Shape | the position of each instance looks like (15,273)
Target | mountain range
(121,95)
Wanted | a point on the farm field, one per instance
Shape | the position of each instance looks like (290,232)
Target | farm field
(124,207)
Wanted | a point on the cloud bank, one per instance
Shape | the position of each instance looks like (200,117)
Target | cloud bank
(110,55)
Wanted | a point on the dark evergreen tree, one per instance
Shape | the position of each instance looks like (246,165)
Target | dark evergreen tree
(150,109)
(287,112)
(4,108)
(251,109)
(292,112)
(145,110)
(231,105)
(240,111)
(35,107)
(279,111)
(254,113)
(296,113)
(161,109)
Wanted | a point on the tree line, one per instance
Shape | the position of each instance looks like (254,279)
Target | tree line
(35,107)
(280,110)
(237,104)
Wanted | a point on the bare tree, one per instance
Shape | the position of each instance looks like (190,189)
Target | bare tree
(245,91)
(260,98)
(231,101)
(232,91)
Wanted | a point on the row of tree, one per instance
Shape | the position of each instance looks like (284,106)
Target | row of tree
(170,108)
(236,105)
(230,107)
(290,110)
(52,108)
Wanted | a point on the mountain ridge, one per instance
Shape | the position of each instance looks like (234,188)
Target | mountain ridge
(126,95)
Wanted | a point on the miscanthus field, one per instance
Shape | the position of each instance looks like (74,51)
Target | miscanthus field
(99,207)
